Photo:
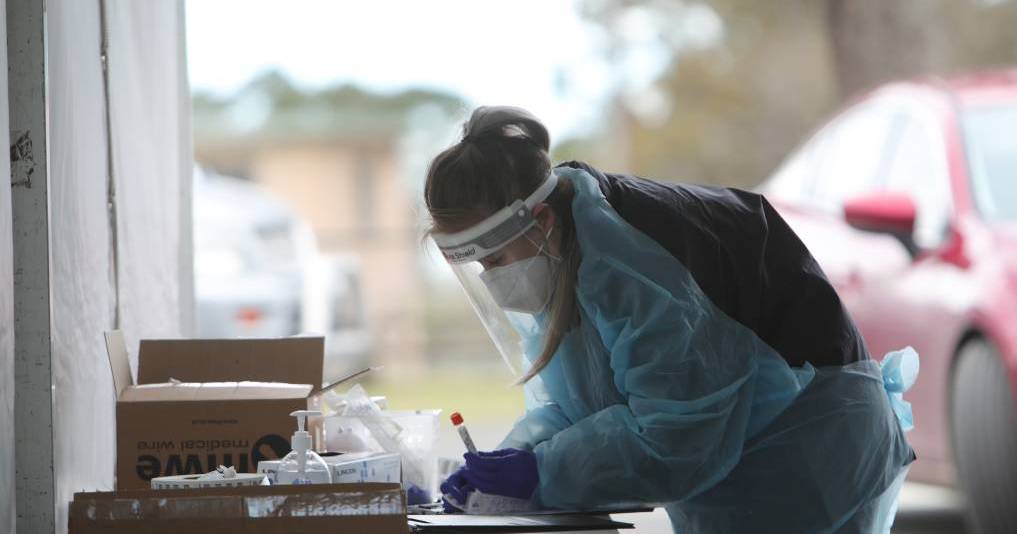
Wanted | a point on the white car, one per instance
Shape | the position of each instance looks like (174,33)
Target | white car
(258,273)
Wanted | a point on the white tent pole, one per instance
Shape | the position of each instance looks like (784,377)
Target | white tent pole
(188,307)
(33,404)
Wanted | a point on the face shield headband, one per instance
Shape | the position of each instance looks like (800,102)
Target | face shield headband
(488,236)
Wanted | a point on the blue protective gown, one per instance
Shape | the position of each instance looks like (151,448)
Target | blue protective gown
(659,397)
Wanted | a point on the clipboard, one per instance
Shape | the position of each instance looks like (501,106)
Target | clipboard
(464,523)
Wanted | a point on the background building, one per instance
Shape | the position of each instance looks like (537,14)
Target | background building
(344,159)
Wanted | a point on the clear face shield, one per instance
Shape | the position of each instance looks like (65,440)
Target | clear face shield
(508,297)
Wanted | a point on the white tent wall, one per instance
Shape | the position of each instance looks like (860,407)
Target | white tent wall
(6,306)
(83,295)
(119,181)
(149,108)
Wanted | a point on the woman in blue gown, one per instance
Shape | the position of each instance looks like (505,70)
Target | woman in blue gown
(682,347)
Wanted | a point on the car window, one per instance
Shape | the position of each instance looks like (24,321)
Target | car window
(992,155)
(917,166)
(849,157)
(789,182)
(840,162)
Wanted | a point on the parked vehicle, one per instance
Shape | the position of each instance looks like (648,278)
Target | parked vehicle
(908,199)
(258,273)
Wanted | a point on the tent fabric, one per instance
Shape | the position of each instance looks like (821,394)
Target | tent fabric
(6,306)
(151,166)
(119,259)
(80,252)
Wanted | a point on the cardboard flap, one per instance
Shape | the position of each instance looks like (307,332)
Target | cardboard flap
(119,361)
(294,360)
(214,391)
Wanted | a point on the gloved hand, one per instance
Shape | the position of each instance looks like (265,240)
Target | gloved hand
(455,489)
(508,472)
(416,495)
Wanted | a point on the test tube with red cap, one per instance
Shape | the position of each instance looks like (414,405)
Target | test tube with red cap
(457,421)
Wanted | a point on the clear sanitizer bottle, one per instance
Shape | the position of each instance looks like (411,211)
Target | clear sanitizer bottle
(302,465)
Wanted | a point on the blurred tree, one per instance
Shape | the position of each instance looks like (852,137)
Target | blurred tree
(727,110)
(724,111)
(875,41)
(270,107)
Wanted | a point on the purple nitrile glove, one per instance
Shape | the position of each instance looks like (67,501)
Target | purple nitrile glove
(416,495)
(448,507)
(456,487)
(508,472)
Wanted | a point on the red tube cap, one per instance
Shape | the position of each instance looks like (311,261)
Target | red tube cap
(457,419)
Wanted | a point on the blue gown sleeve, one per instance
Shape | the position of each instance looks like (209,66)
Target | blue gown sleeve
(686,372)
(536,426)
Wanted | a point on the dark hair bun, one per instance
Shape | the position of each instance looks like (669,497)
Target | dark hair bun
(505,121)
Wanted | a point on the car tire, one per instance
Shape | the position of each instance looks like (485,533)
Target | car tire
(984,431)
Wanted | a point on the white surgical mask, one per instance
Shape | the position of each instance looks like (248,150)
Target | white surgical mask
(522,286)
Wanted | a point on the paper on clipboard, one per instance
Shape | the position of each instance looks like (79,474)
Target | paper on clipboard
(501,523)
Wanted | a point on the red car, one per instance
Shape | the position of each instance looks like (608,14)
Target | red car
(908,199)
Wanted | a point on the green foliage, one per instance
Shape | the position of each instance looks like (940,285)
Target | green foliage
(270,106)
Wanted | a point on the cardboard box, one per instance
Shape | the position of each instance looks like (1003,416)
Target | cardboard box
(232,408)
(310,509)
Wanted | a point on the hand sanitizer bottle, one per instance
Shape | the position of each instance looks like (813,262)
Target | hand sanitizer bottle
(302,465)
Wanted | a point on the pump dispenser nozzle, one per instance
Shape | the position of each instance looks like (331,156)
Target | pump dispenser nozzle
(302,465)
(301,441)
(301,416)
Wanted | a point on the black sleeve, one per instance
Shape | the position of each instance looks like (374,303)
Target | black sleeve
(746,259)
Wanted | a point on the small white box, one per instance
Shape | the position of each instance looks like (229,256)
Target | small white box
(269,468)
(350,468)
(359,467)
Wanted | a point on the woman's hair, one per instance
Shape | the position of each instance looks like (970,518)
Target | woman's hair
(503,157)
